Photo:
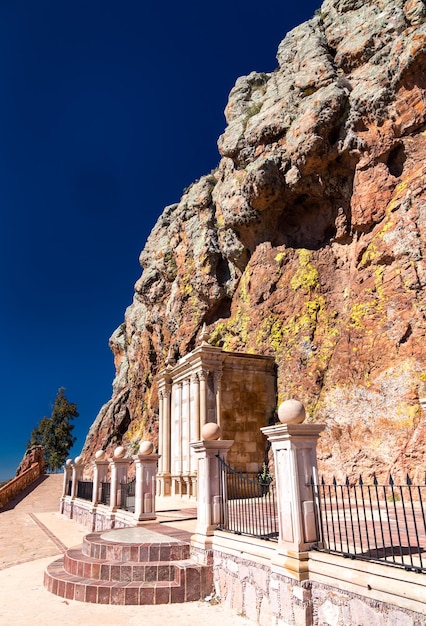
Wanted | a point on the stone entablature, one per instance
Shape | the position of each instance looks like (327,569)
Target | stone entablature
(235,390)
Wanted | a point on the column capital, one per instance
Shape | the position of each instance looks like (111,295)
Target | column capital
(203,374)
(217,375)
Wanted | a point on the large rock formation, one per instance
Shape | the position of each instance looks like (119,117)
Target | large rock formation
(307,243)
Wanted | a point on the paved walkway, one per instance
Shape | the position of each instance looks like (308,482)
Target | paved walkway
(33,534)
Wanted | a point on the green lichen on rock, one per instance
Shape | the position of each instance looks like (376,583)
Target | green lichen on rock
(306,276)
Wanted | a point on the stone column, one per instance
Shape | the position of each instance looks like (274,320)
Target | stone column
(146,468)
(294,448)
(196,416)
(186,424)
(208,500)
(119,466)
(100,471)
(67,477)
(164,478)
(202,375)
(77,473)
(166,430)
(160,429)
(218,394)
(194,432)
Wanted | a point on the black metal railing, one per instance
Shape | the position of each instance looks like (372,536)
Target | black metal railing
(69,488)
(128,491)
(247,506)
(381,523)
(84,489)
(105,493)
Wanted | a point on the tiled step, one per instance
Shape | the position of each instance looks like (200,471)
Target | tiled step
(193,582)
(78,564)
(130,566)
(96,547)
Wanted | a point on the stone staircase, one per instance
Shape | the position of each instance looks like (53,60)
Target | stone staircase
(130,566)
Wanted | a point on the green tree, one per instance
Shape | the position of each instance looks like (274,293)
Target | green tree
(54,433)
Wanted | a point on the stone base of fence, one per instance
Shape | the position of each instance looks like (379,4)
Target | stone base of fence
(339,591)
(95,518)
(377,584)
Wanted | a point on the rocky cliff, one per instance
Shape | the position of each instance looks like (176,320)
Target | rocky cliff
(307,243)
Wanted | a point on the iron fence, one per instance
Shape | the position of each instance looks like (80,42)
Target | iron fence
(105,493)
(247,506)
(84,489)
(128,491)
(381,523)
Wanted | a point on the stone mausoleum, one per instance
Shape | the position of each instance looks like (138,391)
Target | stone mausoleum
(235,390)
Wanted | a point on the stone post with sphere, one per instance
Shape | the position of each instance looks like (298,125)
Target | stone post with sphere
(67,478)
(119,466)
(294,447)
(100,471)
(146,469)
(208,501)
(77,473)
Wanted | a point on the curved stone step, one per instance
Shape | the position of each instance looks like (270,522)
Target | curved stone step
(193,582)
(109,546)
(78,564)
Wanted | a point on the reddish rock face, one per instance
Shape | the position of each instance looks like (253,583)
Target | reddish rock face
(31,456)
(307,243)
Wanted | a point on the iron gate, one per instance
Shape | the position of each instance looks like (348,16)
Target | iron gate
(248,506)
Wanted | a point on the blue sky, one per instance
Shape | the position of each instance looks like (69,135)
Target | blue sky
(108,110)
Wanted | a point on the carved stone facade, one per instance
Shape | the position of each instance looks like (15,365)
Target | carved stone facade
(235,390)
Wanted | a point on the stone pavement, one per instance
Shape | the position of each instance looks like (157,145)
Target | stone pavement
(33,534)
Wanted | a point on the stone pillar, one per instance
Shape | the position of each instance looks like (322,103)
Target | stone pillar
(186,425)
(77,473)
(161,429)
(67,477)
(119,466)
(218,394)
(166,432)
(202,375)
(195,382)
(146,468)
(100,471)
(294,448)
(208,487)
(194,432)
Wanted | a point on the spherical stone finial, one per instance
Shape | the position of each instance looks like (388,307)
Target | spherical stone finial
(100,455)
(211,431)
(78,460)
(68,462)
(291,412)
(146,447)
(119,452)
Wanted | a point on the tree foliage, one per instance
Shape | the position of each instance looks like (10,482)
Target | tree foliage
(54,433)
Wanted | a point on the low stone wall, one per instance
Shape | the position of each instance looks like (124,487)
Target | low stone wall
(249,579)
(333,607)
(256,592)
(95,518)
(18,484)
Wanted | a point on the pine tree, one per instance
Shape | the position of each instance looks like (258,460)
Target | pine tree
(54,433)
